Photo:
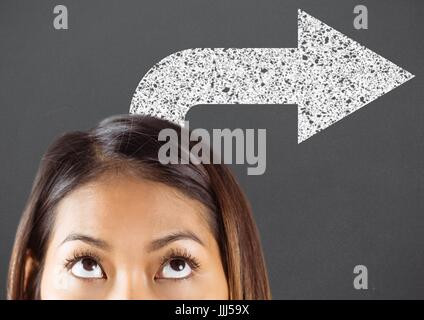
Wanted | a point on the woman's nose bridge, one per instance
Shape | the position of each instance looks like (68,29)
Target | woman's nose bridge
(132,285)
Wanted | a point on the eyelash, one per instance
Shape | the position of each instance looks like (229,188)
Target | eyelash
(79,255)
(184,254)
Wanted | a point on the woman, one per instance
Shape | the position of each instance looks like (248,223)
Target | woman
(107,220)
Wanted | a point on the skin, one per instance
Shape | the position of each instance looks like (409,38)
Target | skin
(118,219)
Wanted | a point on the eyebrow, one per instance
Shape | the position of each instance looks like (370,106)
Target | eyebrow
(175,236)
(154,245)
(87,239)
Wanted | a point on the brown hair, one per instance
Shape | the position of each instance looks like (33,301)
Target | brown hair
(131,141)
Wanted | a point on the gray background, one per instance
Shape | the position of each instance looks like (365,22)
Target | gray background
(349,195)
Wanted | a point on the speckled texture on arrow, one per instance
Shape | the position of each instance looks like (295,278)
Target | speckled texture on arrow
(328,76)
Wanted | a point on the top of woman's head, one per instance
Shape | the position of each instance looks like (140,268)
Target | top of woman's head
(122,143)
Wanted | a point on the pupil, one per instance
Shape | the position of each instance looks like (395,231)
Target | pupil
(88,264)
(177,264)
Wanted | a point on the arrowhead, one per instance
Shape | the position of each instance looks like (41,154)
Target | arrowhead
(337,76)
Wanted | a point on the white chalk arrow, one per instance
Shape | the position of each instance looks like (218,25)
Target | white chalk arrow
(328,76)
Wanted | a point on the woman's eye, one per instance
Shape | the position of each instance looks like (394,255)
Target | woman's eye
(175,269)
(87,268)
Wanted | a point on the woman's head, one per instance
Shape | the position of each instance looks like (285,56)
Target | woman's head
(107,220)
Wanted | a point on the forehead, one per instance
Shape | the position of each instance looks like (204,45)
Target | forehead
(127,208)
